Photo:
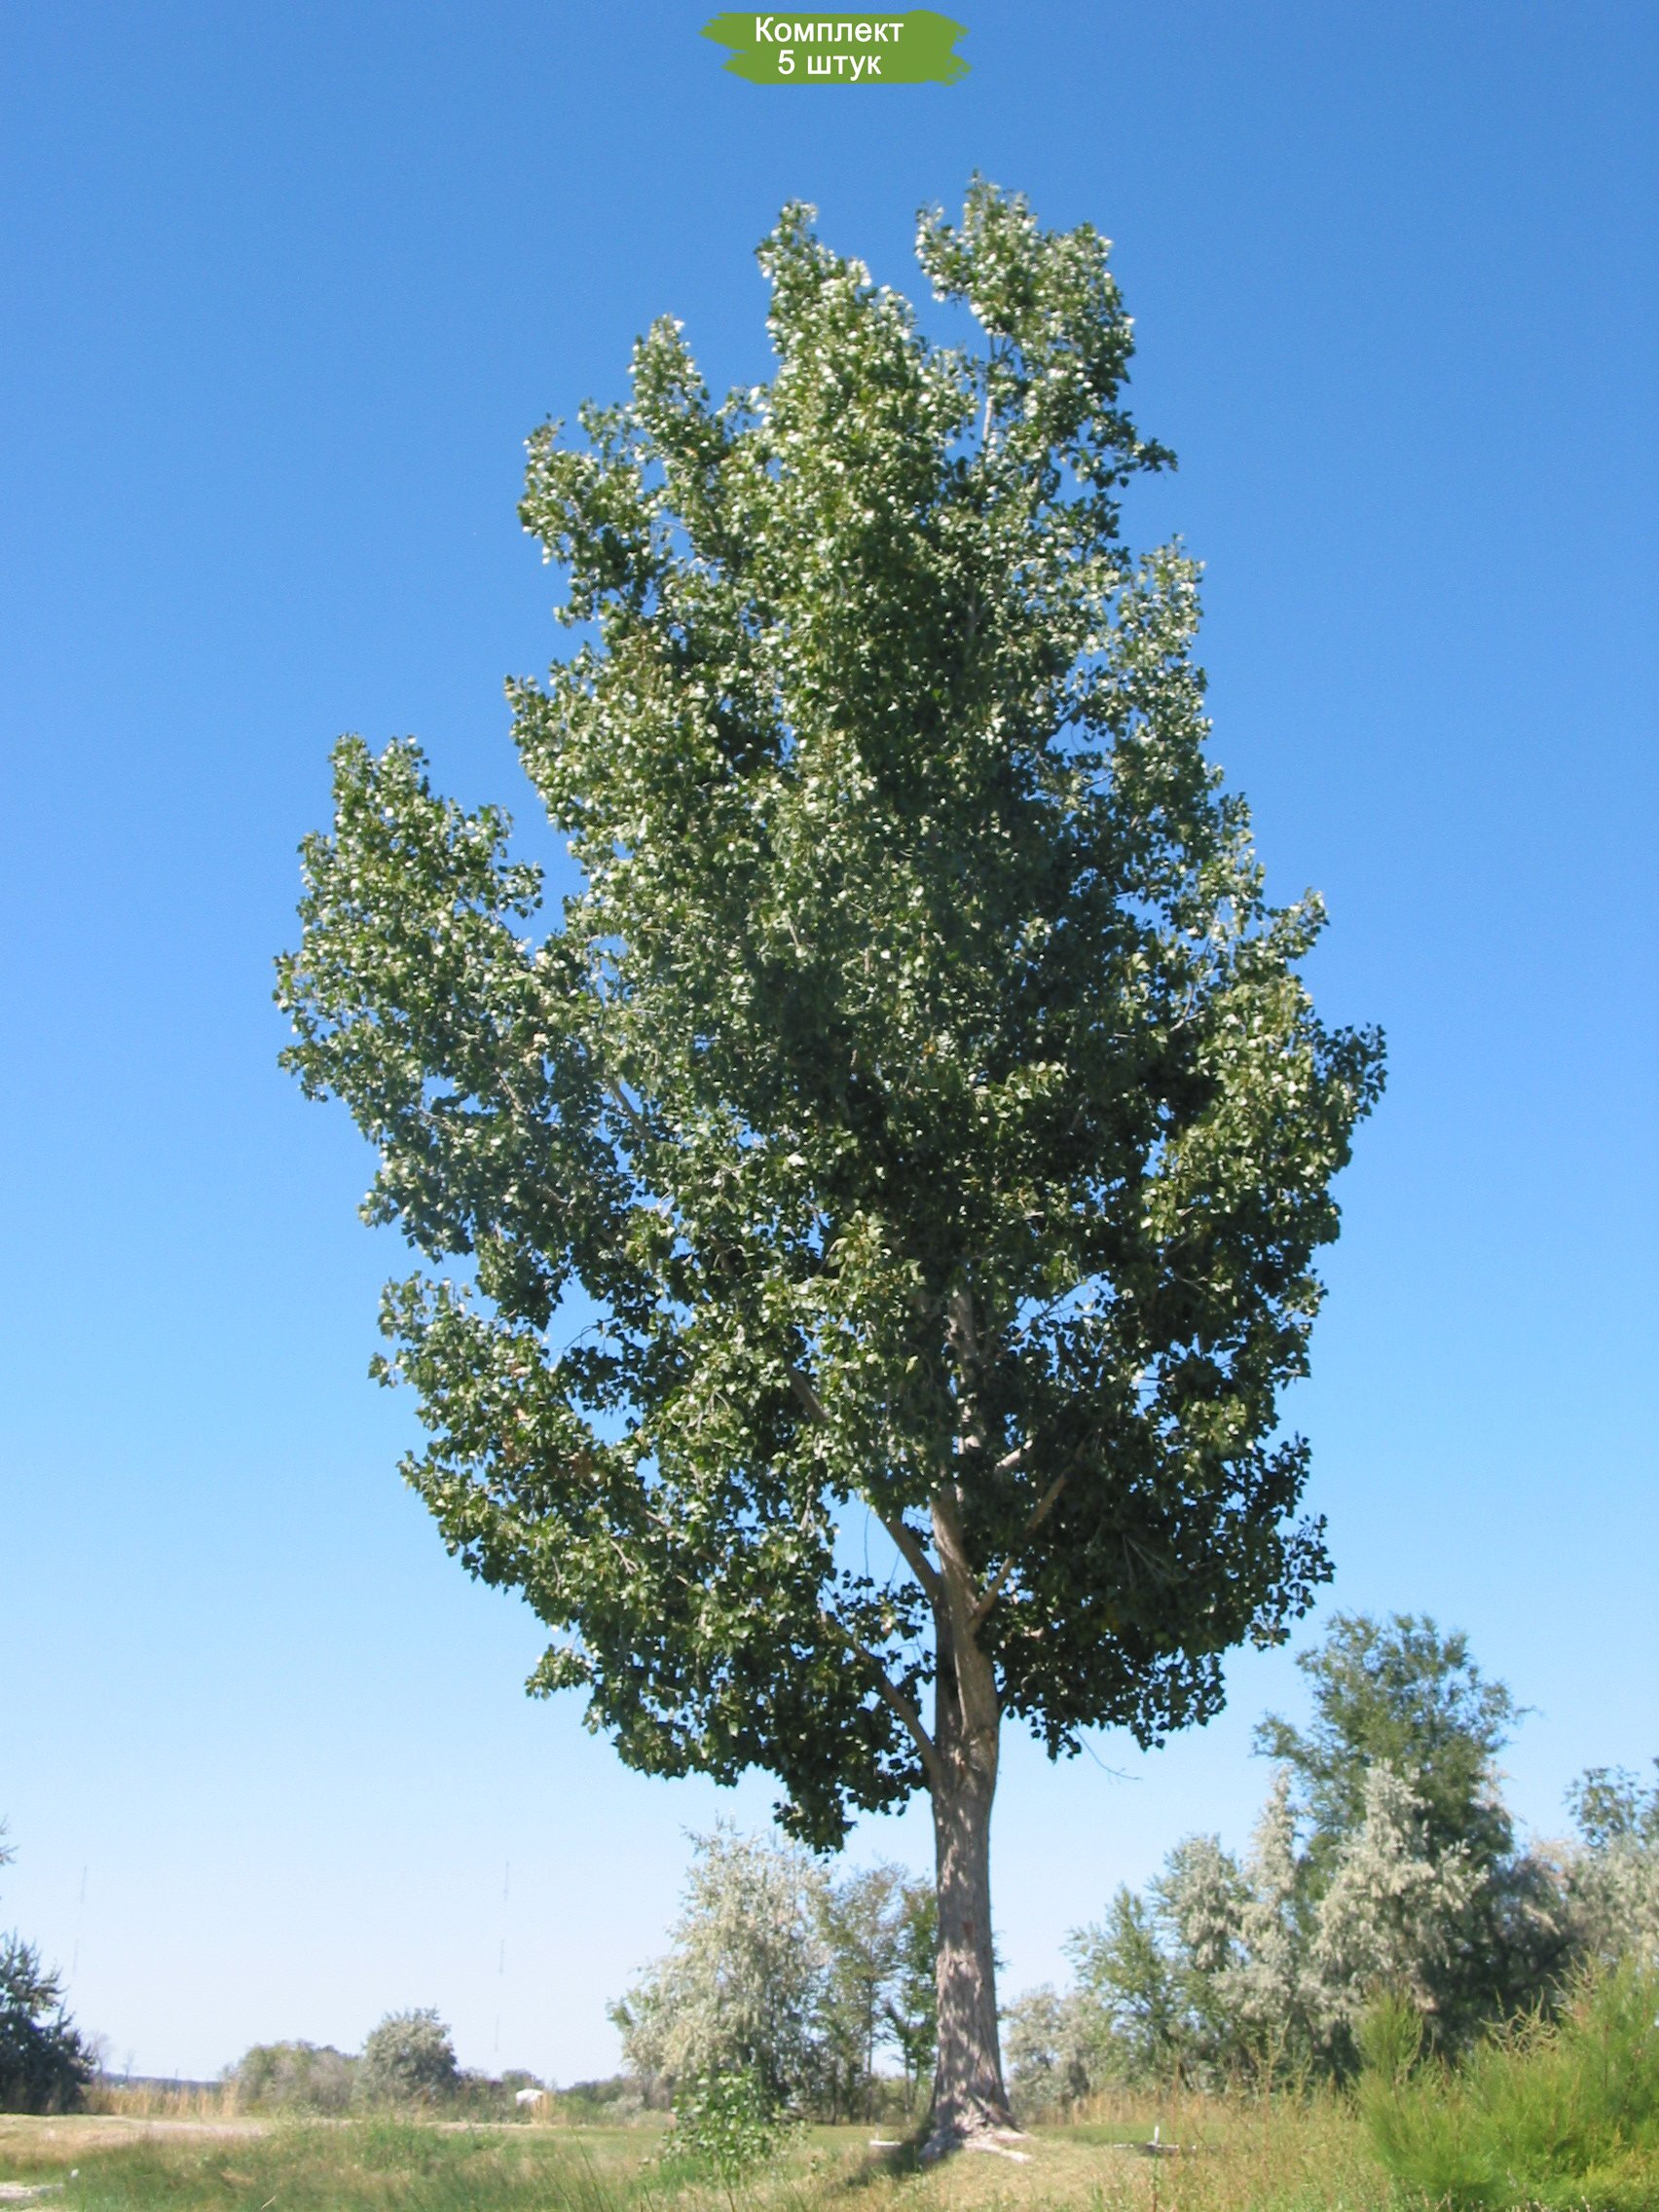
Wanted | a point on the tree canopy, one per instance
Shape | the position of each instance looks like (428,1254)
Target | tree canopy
(407,2058)
(914,1123)
(1405,1694)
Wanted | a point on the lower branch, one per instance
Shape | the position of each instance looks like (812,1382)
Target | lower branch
(1000,1582)
(890,1694)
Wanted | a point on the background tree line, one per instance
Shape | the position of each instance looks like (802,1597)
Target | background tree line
(816,1994)
(407,2062)
(1384,1864)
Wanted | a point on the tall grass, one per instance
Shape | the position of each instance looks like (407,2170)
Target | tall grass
(1279,2155)
(1287,2152)
(1559,2114)
(154,2100)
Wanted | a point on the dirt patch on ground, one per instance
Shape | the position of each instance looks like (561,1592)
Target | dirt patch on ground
(63,2138)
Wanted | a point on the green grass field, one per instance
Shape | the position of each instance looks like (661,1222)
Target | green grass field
(1212,2157)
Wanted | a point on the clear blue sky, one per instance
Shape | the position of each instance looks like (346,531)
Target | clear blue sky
(285,289)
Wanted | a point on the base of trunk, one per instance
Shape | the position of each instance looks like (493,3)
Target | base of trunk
(983,2127)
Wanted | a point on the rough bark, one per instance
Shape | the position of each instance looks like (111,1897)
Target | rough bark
(969,2097)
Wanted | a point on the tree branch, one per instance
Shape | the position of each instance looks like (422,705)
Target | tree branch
(808,1396)
(915,1557)
(891,1695)
(894,1697)
(619,1099)
(1043,1509)
(897,1527)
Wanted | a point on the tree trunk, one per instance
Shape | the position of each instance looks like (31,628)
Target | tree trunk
(969,2097)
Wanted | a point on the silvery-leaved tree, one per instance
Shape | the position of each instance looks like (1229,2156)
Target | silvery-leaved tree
(914,1123)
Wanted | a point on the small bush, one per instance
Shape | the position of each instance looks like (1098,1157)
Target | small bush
(409,2059)
(1555,2114)
(725,2125)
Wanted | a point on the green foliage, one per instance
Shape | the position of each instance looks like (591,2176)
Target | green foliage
(613,2100)
(408,2059)
(1135,1984)
(726,2125)
(919,1090)
(1613,1810)
(738,1992)
(293,2076)
(1060,2051)
(1612,1881)
(1389,2038)
(1553,2114)
(779,1976)
(45,2062)
(877,1930)
(1160,1989)
(1402,1694)
(910,2001)
(1385,1864)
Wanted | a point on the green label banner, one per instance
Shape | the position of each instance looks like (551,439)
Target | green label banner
(916,48)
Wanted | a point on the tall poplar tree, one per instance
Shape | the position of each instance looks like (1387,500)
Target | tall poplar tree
(887,1191)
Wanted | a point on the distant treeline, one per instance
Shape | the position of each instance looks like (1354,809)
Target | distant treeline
(161,2084)
(1385,1866)
(408,2063)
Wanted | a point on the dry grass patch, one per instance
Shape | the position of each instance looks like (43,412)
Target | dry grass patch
(1283,2156)
(1209,2156)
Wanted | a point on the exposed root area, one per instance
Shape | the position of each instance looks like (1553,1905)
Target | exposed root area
(997,2139)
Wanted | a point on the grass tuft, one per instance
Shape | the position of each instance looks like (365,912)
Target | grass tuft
(1561,2115)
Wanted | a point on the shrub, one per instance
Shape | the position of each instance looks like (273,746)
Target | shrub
(293,2076)
(726,2125)
(409,2059)
(1384,1857)
(740,1990)
(1060,2051)
(617,2098)
(1556,2112)
(776,1971)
